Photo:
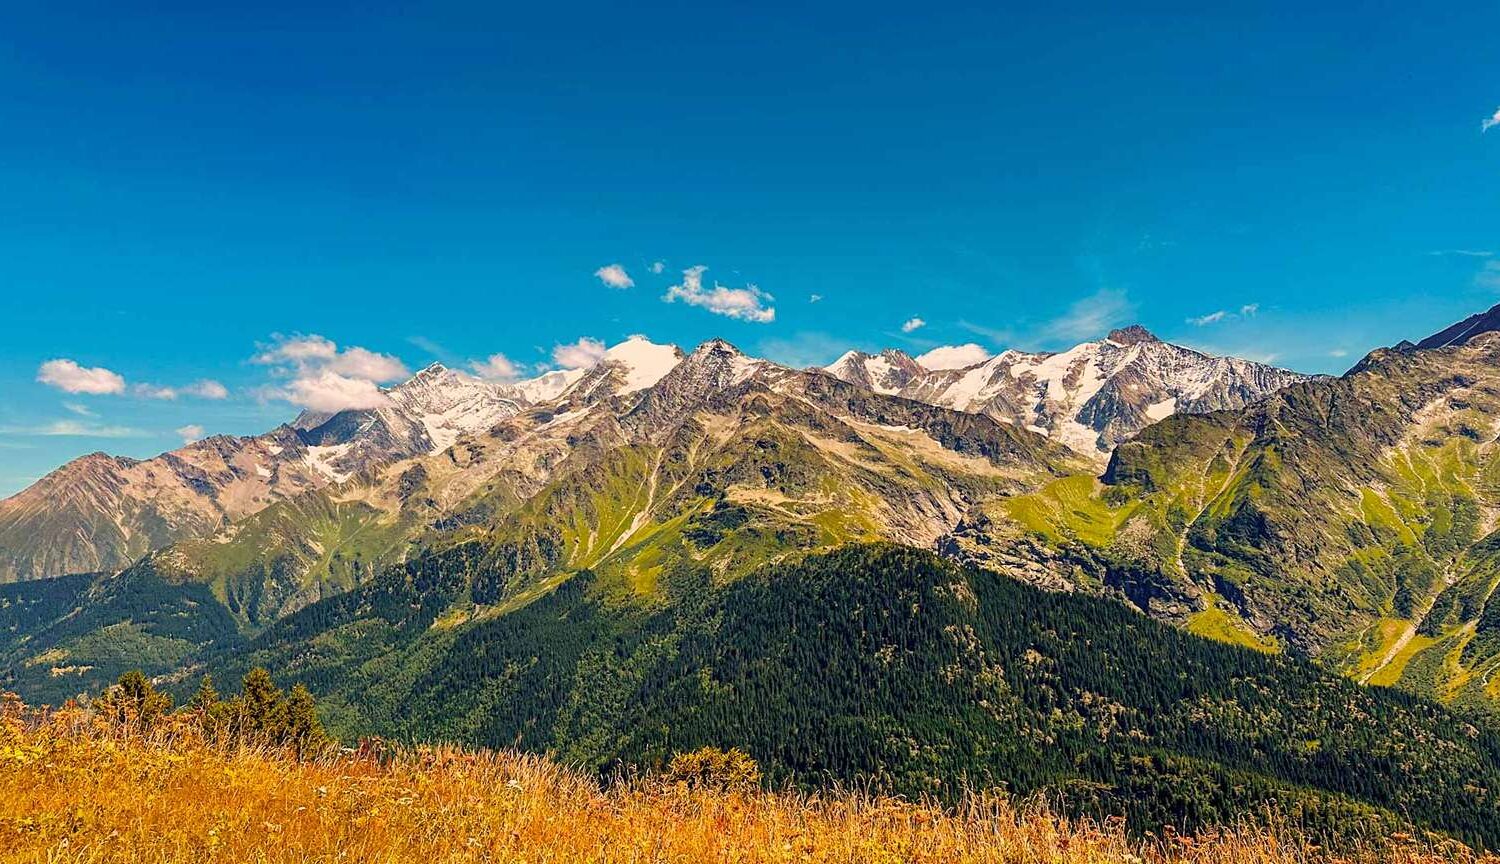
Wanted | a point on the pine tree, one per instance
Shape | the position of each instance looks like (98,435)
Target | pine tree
(302,728)
(259,712)
(133,700)
(206,697)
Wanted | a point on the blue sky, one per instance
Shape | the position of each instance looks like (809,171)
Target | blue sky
(177,187)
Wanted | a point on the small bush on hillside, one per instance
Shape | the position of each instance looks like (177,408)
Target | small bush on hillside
(261,716)
(712,768)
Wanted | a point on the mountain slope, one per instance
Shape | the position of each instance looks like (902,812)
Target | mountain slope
(1351,519)
(725,462)
(1090,397)
(100,512)
(1460,333)
(889,667)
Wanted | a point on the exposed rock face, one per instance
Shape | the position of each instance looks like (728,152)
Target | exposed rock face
(100,512)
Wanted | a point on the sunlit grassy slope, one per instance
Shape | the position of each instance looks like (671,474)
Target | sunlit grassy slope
(74,790)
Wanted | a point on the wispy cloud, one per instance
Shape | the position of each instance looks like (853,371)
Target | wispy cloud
(803,350)
(190,433)
(582,354)
(429,346)
(1338,352)
(496,367)
(1249,310)
(205,389)
(814,298)
(73,429)
(954,356)
(1488,276)
(153,391)
(614,276)
(996,336)
(658,267)
(745,304)
(79,409)
(1463,253)
(1490,122)
(912,323)
(68,376)
(1091,317)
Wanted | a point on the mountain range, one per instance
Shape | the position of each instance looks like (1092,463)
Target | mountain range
(651,553)
(101,512)
(1090,397)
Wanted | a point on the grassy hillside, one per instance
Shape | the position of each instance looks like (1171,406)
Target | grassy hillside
(886,666)
(76,790)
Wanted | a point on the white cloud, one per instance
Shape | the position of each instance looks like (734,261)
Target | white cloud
(153,391)
(912,324)
(322,376)
(297,349)
(1490,121)
(190,433)
(1464,253)
(582,354)
(299,355)
(954,356)
(1249,310)
(496,367)
(330,391)
(658,267)
(614,276)
(1338,352)
(813,298)
(73,429)
(367,365)
(207,389)
(80,410)
(1090,317)
(69,377)
(745,304)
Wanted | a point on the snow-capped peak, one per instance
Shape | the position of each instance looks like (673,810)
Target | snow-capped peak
(887,372)
(643,361)
(447,403)
(548,385)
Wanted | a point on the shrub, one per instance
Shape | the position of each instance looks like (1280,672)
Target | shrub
(712,768)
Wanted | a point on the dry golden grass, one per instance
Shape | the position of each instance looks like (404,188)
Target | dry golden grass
(73,790)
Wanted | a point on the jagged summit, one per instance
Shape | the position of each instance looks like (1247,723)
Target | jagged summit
(717,345)
(888,372)
(1090,397)
(629,367)
(1135,334)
